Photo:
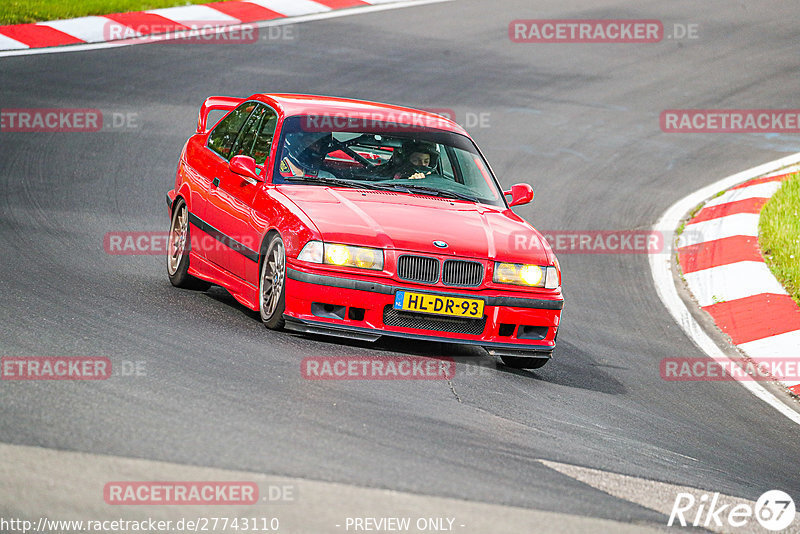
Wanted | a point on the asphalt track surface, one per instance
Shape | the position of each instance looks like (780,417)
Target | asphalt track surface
(578,121)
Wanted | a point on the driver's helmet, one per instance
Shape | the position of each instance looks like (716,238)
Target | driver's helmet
(422,147)
(305,152)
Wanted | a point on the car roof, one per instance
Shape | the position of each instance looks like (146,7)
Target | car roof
(298,104)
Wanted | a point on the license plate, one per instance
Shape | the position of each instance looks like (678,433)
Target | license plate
(438,304)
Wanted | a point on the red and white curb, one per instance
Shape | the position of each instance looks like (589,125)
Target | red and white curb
(667,289)
(108,28)
(721,261)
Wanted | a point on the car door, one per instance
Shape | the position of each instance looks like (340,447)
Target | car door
(230,202)
(206,162)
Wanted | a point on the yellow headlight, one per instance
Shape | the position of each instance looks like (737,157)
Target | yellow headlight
(519,274)
(337,254)
(505,273)
(350,256)
(531,274)
(365,259)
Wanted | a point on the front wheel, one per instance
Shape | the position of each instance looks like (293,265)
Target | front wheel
(178,251)
(272,282)
(520,362)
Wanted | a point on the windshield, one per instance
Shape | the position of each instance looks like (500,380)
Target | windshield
(425,162)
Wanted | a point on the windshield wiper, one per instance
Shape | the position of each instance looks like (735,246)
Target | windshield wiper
(423,189)
(332,181)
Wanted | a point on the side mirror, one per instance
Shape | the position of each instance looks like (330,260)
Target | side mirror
(520,194)
(245,166)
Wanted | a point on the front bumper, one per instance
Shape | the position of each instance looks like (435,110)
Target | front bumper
(361,309)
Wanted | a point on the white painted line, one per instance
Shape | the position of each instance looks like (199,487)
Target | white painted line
(728,226)
(192,15)
(764,190)
(89,29)
(731,282)
(661,269)
(358,10)
(7,43)
(786,345)
(787,170)
(291,8)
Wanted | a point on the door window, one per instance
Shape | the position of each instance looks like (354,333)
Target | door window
(221,138)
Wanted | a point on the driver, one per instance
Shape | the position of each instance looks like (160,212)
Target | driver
(304,153)
(415,160)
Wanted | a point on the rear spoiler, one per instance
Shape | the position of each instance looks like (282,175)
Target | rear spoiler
(226,103)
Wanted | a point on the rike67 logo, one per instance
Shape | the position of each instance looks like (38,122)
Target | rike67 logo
(774,511)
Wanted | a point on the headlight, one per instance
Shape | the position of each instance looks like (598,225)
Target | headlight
(553,277)
(525,275)
(311,252)
(342,255)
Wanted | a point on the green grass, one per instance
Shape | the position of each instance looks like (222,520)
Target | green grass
(779,235)
(24,11)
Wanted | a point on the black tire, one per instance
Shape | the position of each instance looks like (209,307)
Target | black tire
(520,362)
(272,284)
(178,248)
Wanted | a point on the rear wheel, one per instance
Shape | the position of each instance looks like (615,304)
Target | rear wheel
(272,290)
(178,250)
(520,362)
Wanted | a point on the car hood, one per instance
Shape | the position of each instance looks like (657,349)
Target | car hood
(407,222)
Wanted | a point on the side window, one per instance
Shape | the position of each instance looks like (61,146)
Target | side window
(221,139)
(263,142)
(447,165)
(474,173)
(247,136)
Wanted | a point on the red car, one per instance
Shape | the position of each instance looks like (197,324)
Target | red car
(357,219)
